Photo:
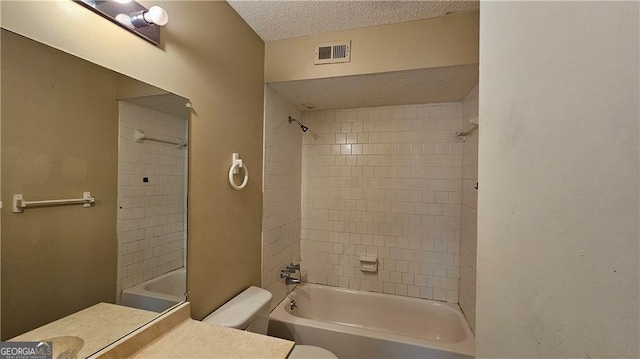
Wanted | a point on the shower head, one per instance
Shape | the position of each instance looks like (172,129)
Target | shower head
(303,127)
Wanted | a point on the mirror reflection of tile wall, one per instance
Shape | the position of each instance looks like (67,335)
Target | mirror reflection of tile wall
(151,196)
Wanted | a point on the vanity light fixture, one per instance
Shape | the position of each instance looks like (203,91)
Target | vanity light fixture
(155,15)
(132,16)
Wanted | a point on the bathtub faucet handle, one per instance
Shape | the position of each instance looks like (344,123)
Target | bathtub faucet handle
(292,268)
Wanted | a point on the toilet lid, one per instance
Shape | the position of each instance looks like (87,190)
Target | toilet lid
(310,352)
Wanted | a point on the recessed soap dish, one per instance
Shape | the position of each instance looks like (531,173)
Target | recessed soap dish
(369,264)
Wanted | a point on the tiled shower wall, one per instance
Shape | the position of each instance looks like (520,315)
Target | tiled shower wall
(151,215)
(469,213)
(281,204)
(384,182)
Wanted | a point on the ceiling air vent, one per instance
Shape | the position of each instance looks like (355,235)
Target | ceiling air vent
(334,52)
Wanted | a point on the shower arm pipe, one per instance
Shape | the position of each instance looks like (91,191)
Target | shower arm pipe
(473,124)
(291,119)
(302,126)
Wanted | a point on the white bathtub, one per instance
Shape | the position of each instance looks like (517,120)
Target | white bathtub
(157,294)
(357,324)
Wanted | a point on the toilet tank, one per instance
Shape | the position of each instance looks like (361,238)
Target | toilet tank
(248,310)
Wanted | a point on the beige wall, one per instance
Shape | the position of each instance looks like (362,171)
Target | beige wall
(443,41)
(212,57)
(58,140)
(559,180)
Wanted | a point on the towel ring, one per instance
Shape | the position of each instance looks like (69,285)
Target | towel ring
(235,168)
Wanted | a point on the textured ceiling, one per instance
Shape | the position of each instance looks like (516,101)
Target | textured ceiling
(283,19)
(443,84)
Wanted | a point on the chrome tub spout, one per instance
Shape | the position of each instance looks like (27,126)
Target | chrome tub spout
(288,279)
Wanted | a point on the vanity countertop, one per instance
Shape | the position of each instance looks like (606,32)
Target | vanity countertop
(98,326)
(194,339)
(114,331)
(175,335)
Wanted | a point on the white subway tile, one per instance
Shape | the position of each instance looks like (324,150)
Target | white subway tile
(391,186)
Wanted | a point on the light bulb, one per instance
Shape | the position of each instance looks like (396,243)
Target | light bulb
(125,20)
(156,15)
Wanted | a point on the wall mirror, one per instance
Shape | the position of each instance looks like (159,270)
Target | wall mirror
(70,126)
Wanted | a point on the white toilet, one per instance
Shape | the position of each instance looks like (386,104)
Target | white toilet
(249,311)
